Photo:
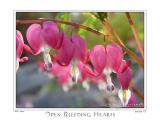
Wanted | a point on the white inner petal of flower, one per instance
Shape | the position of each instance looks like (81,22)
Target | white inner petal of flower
(110,85)
(102,85)
(85,84)
(47,58)
(75,72)
(124,96)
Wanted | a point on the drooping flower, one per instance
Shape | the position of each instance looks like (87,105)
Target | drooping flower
(60,73)
(79,47)
(41,38)
(108,60)
(19,49)
(98,58)
(122,69)
(86,78)
(117,65)
(125,79)
(114,55)
(65,52)
(63,76)
(52,35)
(84,71)
(72,50)
(100,62)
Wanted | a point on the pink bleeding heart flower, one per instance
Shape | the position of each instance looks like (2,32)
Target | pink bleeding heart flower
(65,52)
(124,65)
(19,49)
(84,77)
(52,36)
(85,71)
(99,61)
(87,77)
(41,38)
(73,49)
(114,56)
(98,79)
(60,73)
(98,58)
(34,38)
(125,77)
(19,44)
(63,75)
(79,47)
(117,64)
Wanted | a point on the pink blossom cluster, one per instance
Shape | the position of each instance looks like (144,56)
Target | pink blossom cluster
(72,62)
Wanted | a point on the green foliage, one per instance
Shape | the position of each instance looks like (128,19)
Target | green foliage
(120,23)
(92,22)
(65,17)
(138,19)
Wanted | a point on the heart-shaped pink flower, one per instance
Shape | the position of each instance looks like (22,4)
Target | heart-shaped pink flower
(19,49)
(80,48)
(43,37)
(114,56)
(62,73)
(98,58)
(65,52)
(40,36)
(85,71)
(125,76)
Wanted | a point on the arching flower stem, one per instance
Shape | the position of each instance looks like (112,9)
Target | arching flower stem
(106,37)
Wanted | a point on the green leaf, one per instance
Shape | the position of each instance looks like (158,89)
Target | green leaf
(90,22)
(94,23)
(65,17)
